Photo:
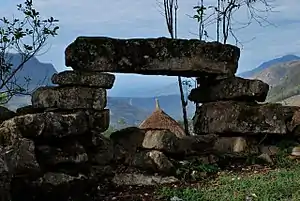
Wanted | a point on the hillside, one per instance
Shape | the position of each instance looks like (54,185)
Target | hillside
(268,64)
(38,72)
(282,74)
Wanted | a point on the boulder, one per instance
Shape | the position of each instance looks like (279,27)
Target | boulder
(100,150)
(234,88)
(241,118)
(162,140)
(89,79)
(271,150)
(69,98)
(67,153)
(126,141)
(19,158)
(167,142)
(197,144)
(153,160)
(160,56)
(234,145)
(51,125)
(6,114)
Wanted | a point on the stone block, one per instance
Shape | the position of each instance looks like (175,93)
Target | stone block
(159,56)
(69,98)
(53,125)
(89,79)
(234,88)
(241,118)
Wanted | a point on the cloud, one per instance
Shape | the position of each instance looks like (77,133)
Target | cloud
(142,18)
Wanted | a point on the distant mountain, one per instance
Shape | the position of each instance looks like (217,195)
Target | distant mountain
(283,79)
(267,64)
(282,74)
(38,72)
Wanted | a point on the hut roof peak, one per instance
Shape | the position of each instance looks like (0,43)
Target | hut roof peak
(157,106)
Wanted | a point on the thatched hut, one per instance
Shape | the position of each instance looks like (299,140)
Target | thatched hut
(160,120)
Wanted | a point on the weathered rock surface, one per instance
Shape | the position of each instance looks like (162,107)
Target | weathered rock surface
(69,98)
(53,125)
(153,160)
(162,140)
(168,142)
(16,159)
(294,124)
(270,150)
(19,157)
(6,114)
(140,179)
(127,141)
(234,88)
(231,117)
(162,56)
(89,79)
(101,151)
(234,145)
(72,153)
(197,144)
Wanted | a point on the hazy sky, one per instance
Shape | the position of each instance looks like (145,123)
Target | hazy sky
(142,18)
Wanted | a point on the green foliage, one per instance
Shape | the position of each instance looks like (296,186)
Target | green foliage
(279,185)
(186,170)
(27,36)
(282,160)
(3,98)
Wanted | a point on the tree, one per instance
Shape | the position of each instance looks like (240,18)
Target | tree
(222,15)
(26,36)
(170,13)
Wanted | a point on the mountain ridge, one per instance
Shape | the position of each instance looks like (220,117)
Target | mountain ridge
(267,64)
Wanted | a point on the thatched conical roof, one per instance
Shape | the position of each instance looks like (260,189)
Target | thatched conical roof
(160,120)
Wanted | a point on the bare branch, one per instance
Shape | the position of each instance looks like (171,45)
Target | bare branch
(27,37)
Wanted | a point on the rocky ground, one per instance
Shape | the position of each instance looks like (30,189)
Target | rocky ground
(238,180)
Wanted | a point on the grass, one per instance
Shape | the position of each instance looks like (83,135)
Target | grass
(280,184)
(275,185)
